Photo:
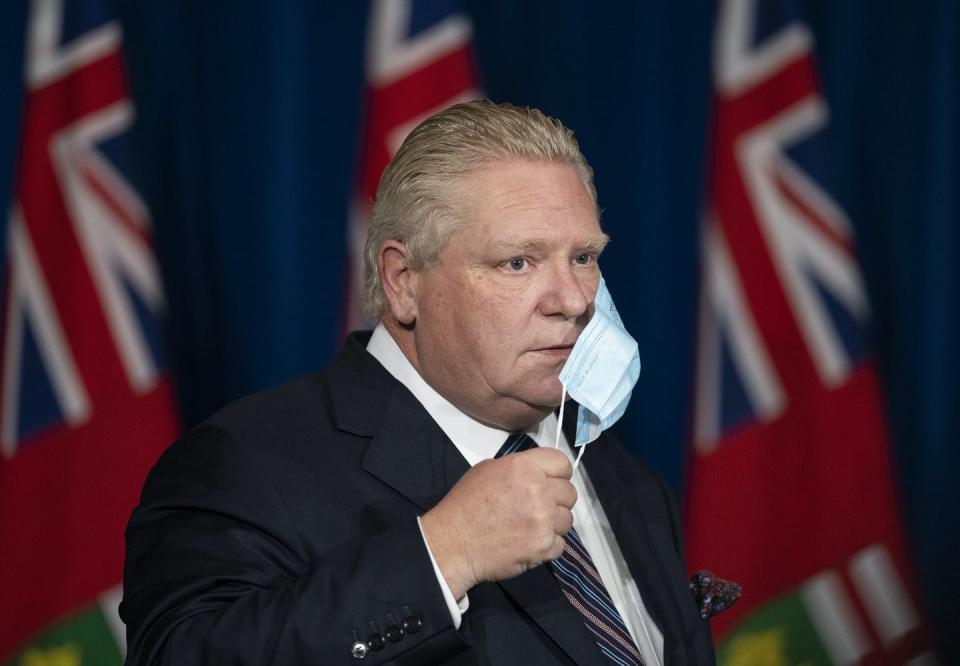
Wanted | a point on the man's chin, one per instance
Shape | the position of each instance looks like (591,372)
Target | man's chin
(545,402)
(516,414)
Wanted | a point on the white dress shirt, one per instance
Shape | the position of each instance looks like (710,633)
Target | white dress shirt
(478,441)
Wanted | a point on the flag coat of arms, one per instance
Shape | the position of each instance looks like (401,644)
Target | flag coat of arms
(85,403)
(791,490)
(418,62)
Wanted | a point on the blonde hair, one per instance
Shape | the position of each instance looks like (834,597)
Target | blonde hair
(413,204)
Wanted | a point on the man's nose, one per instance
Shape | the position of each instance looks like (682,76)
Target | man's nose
(568,293)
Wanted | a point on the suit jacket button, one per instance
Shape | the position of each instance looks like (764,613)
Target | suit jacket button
(376,642)
(412,624)
(358,650)
(394,633)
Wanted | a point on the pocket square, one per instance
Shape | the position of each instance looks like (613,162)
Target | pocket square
(712,594)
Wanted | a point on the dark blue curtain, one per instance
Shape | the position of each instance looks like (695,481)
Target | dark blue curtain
(248,121)
(249,115)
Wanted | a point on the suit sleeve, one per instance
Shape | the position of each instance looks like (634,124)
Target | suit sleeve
(217,572)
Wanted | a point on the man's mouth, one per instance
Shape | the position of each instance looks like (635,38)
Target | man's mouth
(561,348)
(556,350)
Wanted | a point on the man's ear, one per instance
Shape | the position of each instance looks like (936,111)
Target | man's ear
(398,280)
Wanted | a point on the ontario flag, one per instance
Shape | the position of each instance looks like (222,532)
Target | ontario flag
(418,62)
(85,404)
(791,491)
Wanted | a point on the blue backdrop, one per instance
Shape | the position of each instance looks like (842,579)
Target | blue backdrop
(248,121)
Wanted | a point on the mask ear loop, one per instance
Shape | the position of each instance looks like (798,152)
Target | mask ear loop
(576,463)
(563,401)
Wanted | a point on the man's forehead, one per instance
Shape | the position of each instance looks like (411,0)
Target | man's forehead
(521,206)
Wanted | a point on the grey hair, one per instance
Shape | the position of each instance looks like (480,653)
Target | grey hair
(413,203)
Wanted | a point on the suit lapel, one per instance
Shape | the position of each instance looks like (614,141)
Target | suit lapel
(411,454)
(647,552)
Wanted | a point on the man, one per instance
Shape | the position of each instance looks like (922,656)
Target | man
(363,513)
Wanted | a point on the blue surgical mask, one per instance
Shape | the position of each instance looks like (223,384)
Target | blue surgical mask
(602,369)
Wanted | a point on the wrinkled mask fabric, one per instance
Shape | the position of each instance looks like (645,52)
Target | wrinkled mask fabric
(602,369)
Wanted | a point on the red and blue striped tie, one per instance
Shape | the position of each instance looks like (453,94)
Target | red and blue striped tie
(581,585)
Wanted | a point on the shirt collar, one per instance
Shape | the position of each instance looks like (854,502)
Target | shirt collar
(476,441)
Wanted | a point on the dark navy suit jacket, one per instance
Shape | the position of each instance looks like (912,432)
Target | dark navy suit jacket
(284,529)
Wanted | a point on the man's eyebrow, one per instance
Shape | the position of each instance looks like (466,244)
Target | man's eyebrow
(597,243)
(520,246)
(592,244)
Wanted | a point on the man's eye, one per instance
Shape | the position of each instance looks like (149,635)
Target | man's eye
(517,264)
(583,259)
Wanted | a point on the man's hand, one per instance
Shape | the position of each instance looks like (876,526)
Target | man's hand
(503,517)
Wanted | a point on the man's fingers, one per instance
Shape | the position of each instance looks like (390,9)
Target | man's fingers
(562,492)
(558,545)
(563,522)
(551,461)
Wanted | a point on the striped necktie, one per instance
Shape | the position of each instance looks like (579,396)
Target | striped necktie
(581,585)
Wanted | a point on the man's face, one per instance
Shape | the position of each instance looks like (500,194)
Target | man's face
(498,314)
